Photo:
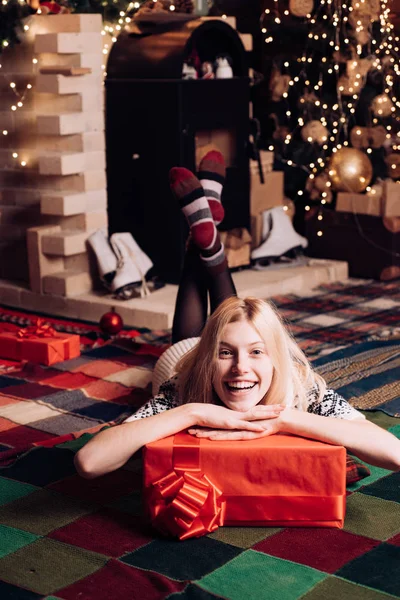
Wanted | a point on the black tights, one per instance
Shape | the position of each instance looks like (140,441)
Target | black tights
(192,301)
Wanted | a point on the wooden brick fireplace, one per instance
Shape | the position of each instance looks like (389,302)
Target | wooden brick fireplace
(52,169)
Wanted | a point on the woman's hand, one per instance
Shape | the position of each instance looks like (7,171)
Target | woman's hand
(218,422)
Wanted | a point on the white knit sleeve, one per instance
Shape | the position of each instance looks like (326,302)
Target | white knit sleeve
(165,366)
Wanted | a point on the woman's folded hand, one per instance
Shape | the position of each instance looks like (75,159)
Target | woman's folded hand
(218,422)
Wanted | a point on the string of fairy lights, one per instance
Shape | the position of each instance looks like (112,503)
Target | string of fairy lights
(125,18)
(20,94)
(366,53)
(21,91)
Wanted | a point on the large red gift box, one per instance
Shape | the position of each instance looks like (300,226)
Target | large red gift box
(45,350)
(192,486)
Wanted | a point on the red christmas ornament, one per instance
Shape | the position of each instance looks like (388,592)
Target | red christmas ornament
(111,323)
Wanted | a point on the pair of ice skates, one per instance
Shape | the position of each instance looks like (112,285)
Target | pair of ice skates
(282,246)
(122,264)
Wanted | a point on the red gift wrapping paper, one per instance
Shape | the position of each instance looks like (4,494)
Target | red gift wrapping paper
(192,486)
(43,350)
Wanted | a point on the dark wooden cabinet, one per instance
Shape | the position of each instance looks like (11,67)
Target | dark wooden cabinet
(152,125)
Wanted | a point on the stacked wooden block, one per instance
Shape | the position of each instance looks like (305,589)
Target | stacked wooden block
(70,124)
(64,182)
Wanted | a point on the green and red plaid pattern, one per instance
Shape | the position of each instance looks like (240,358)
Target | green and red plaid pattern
(68,538)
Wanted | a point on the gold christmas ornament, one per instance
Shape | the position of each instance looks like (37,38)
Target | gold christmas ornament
(301,8)
(349,85)
(393,164)
(377,136)
(367,137)
(370,8)
(278,85)
(359,137)
(382,106)
(350,170)
(362,37)
(359,21)
(360,67)
(307,98)
(321,181)
(314,131)
(319,187)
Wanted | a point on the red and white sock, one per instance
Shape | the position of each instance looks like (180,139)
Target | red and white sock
(189,192)
(212,173)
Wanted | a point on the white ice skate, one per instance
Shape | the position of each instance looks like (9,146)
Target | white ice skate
(106,259)
(282,245)
(133,265)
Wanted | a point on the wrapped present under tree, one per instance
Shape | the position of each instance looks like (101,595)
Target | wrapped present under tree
(193,486)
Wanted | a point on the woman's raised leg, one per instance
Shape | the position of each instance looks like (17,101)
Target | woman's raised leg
(205,267)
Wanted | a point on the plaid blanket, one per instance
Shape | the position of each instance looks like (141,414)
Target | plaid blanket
(338,315)
(102,386)
(64,537)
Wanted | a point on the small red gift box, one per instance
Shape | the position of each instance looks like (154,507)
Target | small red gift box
(192,486)
(39,343)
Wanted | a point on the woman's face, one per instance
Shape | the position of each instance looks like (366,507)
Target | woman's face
(244,369)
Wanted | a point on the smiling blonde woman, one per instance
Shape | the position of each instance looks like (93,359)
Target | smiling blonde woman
(238,374)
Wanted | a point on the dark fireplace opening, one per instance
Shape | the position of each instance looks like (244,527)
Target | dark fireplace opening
(155,120)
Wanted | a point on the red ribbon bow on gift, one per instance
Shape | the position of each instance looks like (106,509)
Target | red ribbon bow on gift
(186,505)
(39,329)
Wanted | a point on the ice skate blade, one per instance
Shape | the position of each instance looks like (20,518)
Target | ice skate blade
(282,262)
(134,289)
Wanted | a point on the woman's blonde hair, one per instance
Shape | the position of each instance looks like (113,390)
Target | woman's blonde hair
(292,376)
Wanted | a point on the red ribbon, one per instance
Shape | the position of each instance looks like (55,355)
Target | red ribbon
(186,503)
(39,329)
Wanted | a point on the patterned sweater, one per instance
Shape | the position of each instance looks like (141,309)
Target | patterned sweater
(331,405)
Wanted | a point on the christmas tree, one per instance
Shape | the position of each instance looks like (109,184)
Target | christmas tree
(332,112)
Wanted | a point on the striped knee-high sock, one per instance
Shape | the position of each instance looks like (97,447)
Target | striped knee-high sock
(212,172)
(190,194)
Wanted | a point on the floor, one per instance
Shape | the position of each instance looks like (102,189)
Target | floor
(156,310)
